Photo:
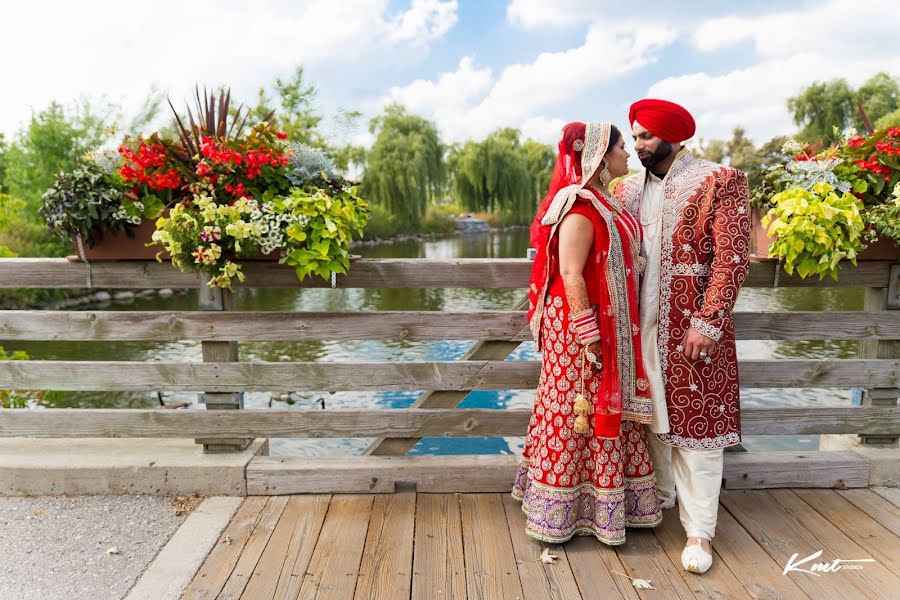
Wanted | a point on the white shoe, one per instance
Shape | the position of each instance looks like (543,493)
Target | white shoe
(695,559)
(667,503)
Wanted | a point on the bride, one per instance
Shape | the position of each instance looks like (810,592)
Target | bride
(586,468)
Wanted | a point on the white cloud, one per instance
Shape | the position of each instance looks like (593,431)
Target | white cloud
(426,20)
(470,102)
(756,97)
(559,13)
(63,50)
(832,27)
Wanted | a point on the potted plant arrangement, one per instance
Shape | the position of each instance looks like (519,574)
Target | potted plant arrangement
(221,193)
(819,207)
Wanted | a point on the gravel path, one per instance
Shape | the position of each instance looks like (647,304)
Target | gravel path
(57,547)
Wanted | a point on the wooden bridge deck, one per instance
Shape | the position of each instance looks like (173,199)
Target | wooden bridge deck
(409,545)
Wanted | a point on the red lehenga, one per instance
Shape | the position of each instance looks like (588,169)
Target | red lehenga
(601,481)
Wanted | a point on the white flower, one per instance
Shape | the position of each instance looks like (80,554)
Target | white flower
(686,312)
(686,247)
(679,348)
(694,387)
(792,147)
(896,193)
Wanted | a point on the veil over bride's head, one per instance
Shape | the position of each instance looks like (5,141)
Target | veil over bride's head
(581,149)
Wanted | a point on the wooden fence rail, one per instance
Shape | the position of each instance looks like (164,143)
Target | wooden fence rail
(222,376)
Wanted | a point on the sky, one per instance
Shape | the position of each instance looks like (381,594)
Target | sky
(471,66)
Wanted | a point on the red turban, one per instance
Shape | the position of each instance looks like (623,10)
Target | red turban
(666,120)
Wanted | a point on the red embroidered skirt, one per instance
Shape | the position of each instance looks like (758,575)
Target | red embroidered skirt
(573,483)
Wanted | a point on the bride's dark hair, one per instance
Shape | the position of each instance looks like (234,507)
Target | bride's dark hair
(614,136)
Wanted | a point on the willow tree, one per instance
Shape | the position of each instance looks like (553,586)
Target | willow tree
(405,166)
(501,175)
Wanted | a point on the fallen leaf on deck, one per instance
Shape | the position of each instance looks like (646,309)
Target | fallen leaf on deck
(642,584)
(227,540)
(546,557)
(840,485)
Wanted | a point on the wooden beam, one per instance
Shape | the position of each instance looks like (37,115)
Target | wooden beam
(498,325)
(464,375)
(278,475)
(366,273)
(385,422)
(757,470)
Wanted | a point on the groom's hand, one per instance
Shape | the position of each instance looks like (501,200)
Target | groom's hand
(696,343)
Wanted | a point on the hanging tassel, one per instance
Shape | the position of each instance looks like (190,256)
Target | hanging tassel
(581,407)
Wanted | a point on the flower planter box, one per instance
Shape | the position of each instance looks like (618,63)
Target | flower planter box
(760,241)
(115,245)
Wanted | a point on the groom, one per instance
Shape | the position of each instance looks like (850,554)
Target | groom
(696,221)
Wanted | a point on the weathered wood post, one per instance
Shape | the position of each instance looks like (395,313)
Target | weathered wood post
(878,299)
(217,299)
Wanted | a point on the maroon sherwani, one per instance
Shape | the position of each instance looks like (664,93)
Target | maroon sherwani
(705,224)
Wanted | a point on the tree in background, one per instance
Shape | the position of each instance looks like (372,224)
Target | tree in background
(405,166)
(741,153)
(821,107)
(294,106)
(501,175)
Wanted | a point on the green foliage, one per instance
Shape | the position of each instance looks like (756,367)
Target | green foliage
(815,229)
(822,107)
(16,398)
(322,246)
(879,96)
(405,167)
(296,114)
(310,227)
(501,175)
(52,143)
(86,202)
(889,120)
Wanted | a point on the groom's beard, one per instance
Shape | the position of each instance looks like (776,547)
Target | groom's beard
(661,153)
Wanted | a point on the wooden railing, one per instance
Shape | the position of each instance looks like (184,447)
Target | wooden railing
(222,375)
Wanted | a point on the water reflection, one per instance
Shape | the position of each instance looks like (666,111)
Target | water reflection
(511,244)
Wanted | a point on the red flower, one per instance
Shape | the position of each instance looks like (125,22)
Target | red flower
(281,135)
(894,132)
(855,142)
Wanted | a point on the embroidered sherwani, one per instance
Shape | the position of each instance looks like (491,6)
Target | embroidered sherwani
(696,226)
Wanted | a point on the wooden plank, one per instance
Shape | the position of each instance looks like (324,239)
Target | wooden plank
(779,533)
(871,536)
(276,475)
(438,563)
(378,273)
(262,376)
(594,566)
(386,567)
(334,566)
(306,529)
(253,549)
(262,326)
(758,572)
(385,422)
(643,557)
(448,375)
(718,582)
(499,325)
(880,509)
(874,580)
(755,470)
(539,581)
(288,552)
(491,570)
(217,568)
